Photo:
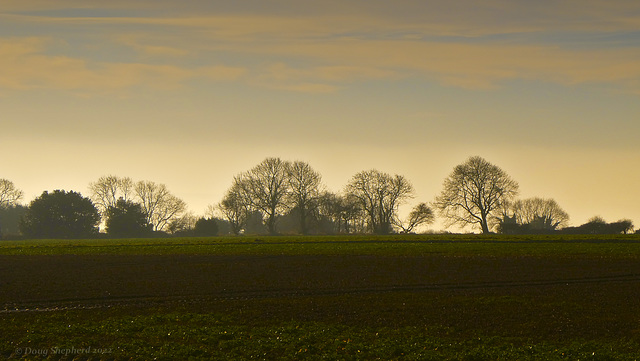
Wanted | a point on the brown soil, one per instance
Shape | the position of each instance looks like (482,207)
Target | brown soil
(524,295)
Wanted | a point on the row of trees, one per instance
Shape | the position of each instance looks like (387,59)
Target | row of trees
(278,196)
(280,190)
(482,195)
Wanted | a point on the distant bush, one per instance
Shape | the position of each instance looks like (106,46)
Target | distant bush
(598,225)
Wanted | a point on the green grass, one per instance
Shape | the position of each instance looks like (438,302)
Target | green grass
(605,246)
(158,335)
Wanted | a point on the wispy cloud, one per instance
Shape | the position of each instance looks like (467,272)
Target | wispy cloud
(24,65)
(320,79)
(145,49)
(461,44)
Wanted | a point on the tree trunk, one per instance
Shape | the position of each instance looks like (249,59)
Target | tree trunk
(303,221)
(485,227)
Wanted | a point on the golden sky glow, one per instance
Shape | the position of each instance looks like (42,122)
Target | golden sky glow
(190,93)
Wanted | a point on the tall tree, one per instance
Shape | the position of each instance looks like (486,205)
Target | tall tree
(265,187)
(473,192)
(379,194)
(158,204)
(9,194)
(304,186)
(60,214)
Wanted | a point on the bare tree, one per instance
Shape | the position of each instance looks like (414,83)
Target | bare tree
(9,194)
(304,186)
(540,214)
(265,189)
(379,194)
(473,192)
(107,190)
(182,224)
(234,208)
(344,211)
(421,214)
(159,205)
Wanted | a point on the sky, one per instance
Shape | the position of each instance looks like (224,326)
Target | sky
(190,93)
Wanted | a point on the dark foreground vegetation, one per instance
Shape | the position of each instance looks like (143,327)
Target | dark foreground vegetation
(336,298)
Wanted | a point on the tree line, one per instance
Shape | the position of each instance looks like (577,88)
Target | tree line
(284,197)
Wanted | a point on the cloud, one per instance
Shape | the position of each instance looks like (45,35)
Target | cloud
(221,72)
(471,65)
(287,19)
(320,79)
(314,88)
(24,65)
(137,43)
(468,44)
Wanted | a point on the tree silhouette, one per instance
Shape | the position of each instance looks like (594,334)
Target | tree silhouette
(343,212)
(473,192)
(304,186)
(419,215)
(265,188)
(9,194)
(158,204)
(107,190)
(10,217)
(206,227)
(60,214)
(597,225)
(532,215)
(379,194)
(126,219)
(234,208)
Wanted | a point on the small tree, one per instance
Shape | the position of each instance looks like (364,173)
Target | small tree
(9,194)
(183,225)
(234,208)
(10,210)
(421,214)
(623,226)
(126,219)
(60,214)
(206,227)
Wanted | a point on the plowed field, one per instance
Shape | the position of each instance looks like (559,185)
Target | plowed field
(548,298)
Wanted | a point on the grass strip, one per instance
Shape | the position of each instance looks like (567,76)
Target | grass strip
(205,336)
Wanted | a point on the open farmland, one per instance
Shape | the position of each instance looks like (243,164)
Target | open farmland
(418,297)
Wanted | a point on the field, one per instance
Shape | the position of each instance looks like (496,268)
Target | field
(398,297)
